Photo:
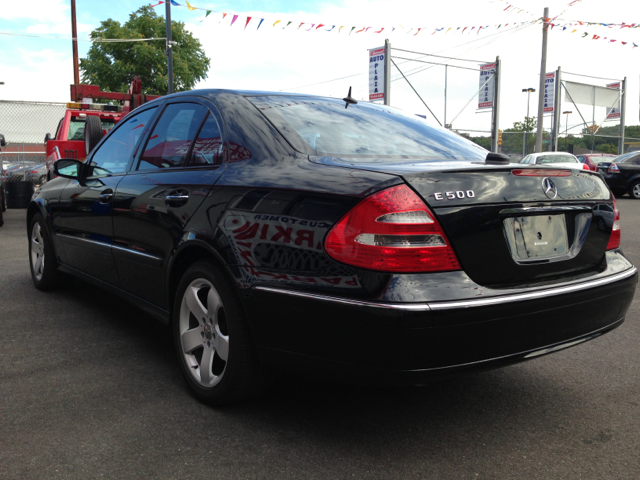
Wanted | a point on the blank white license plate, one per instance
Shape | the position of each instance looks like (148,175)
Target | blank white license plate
(537,237)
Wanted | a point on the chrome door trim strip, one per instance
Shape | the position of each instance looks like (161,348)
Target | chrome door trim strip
(480,302)
(81,240)
(135,252)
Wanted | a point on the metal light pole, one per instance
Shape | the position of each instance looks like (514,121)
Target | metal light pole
(74,44)
(525,134)
(169,49)
(566,128)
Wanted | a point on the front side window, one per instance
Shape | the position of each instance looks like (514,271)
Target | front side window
(114,154)
(324,127)
(171,139)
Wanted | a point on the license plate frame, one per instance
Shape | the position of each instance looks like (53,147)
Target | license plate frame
(537,238)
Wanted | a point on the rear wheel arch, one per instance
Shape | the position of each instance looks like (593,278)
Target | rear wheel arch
(186,256)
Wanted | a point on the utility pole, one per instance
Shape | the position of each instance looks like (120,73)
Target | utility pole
(495,120)
(543,72)
(169,49)
(387,72)
(74,36)
(623,108)
(555,133)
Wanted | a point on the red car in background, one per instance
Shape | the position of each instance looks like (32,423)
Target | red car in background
(593,159)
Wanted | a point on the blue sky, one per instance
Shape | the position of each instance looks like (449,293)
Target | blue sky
(273,59)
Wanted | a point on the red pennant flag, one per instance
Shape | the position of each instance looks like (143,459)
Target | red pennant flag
(417,32)
(379,30)
(247,23)
(300,25)
(321,25)
(595,37)
(159,3)
(623,43)
(360,30)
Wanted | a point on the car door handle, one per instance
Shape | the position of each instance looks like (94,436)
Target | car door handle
(177,198)
(106,196)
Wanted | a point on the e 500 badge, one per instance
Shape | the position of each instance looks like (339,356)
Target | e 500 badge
(454,195)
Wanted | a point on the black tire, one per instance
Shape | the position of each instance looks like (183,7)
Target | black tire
(634,191)
(602,225)
(42,260)
(92,133)
(208,324)
(618,192)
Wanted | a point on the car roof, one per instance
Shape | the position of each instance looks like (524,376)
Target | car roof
(538,154)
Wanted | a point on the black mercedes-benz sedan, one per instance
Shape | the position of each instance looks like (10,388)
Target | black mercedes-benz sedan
(623,175)
(272,230)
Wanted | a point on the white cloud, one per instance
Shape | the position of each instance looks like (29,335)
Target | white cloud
(51,10)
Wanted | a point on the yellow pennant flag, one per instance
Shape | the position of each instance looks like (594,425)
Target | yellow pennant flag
(190,7)
(277,22)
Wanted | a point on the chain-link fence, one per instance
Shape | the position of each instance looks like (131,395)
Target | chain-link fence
(24,126)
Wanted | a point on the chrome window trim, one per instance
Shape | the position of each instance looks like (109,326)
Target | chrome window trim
(481,302)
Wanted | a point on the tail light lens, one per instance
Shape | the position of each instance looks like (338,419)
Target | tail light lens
(585,166)
(614,239)
(613,168)
(391,231)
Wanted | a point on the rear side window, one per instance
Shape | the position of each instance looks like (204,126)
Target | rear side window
(556,159)
(208,148)
(322,126)
(171,139)
(76,127)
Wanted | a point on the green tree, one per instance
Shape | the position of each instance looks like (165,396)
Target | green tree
(113,65)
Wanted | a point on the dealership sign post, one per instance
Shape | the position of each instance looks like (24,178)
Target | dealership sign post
(487,85)
(377,75)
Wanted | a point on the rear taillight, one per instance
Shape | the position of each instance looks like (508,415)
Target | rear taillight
(391,231)
(585,167)
(614,239)
(613,168)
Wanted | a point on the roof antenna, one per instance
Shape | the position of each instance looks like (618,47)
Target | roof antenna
(348,100)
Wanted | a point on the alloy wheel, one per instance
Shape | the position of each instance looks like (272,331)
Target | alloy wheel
(36,247)
(635,191)
(204,337)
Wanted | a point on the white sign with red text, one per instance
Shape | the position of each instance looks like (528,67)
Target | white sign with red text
(376,75)
(614,112)
(549,92)
(487,88)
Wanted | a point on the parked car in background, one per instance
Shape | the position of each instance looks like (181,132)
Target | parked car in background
(272,230)
(623,175)
(554,159)
(593,159)
(34,173)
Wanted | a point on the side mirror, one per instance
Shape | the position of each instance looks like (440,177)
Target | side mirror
(3,143)
(47,137)
(68,168)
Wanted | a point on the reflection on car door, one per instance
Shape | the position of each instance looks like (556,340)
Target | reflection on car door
(170,178)
(85,223)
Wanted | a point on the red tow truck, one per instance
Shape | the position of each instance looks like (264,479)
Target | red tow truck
(85,123)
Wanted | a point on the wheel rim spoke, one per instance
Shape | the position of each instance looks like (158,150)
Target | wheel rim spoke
(205,366)
(213,303)
(221,344)
(39,264)
(194,304)
(191,339)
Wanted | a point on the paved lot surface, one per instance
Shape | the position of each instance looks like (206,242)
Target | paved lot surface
(89,389)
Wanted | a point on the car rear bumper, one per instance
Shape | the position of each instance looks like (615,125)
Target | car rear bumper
(385,343)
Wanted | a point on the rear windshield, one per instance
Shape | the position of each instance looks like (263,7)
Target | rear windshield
(322,126)
(602,158)
(557,159)
(76,127)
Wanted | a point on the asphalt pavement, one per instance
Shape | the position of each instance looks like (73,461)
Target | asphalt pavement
(89,389)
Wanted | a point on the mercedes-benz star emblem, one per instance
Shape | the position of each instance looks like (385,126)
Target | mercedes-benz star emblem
(549,188)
